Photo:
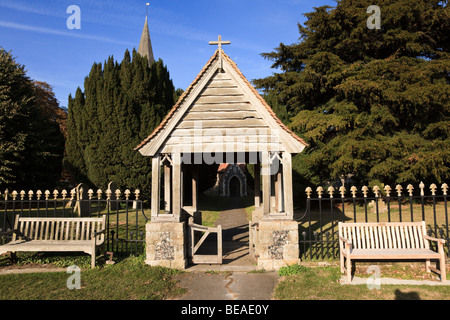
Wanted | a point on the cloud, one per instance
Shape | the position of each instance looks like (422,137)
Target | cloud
(73,34)
(35,8)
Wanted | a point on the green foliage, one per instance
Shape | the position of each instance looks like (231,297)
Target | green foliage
(56,260)
(121,105)
(129,279)
(291,270)
(31,142)
(372,104)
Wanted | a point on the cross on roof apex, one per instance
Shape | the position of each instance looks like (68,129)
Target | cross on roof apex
(219,42)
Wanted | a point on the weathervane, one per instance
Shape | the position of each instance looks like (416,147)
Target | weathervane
(219,42)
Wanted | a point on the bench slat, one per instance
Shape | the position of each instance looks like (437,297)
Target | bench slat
(51,229)
(398,243)
(385,235)
(354,237)
(378,241)
(422,245)
(31,230)
(57,230)
(372,245)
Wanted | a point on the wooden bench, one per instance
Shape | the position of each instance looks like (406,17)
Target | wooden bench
(56,235)
(388,241)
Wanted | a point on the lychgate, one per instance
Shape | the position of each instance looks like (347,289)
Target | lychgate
(221,118)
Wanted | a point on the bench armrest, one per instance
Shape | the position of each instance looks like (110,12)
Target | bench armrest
(346,241)
(434,239)
(98,233)
(14,231)
(95,234)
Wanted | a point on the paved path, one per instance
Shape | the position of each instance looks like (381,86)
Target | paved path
(231,280)
(228,285)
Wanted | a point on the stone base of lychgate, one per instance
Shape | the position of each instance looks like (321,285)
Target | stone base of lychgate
(165,244)
(277,244)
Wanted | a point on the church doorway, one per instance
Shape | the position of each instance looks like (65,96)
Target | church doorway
(235,187)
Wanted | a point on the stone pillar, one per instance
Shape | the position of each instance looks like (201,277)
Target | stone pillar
(165,244)
(277,244)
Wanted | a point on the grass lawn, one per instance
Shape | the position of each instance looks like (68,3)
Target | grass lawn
(326,219)
(130,279)
(322,283)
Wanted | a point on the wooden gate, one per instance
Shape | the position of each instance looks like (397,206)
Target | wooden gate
(194,245)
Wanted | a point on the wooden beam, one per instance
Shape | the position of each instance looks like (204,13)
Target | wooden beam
(152,147)
(156,176)
(265,170)
(167,187)
(279,191)
(257,188)
(176,185)
(195,180)
(287,184)
(221,147)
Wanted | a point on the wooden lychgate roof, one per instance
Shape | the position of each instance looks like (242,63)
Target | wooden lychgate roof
(221,112)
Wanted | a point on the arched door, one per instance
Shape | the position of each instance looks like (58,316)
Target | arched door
(235,187)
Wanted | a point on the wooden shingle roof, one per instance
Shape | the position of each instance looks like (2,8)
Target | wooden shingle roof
(203,91)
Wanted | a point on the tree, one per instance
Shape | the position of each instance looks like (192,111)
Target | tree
(121,105)
(31,144)
(50,106)
(372,104)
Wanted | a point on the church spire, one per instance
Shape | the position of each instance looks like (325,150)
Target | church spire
(145,45)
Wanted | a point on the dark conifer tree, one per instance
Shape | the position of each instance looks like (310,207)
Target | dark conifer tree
(372,104)
(121,105)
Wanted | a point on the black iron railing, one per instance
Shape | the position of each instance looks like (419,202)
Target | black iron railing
(318,224)
(125,218)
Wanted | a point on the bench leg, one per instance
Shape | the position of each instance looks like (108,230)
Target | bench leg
(349,270)
(443,269)
(427,265)
(13,257)
(342,263)
(93,258)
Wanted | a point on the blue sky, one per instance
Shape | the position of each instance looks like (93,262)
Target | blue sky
(37,34)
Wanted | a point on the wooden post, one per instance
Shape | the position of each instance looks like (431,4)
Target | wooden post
(220,250)
(265,163)
(167,187)
(257,184)
(279,191)
(182,168)
(195,179)
(287,184)
(156,170)
(176,185)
